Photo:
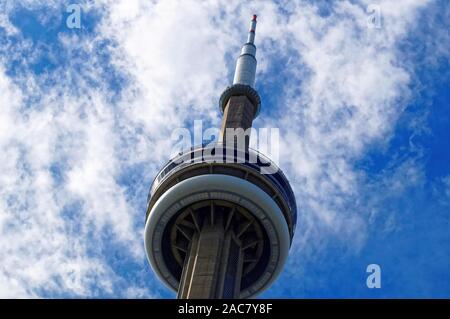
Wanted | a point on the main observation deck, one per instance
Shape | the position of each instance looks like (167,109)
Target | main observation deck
(237,188)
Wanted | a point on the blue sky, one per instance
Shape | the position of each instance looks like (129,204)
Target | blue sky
(87,116)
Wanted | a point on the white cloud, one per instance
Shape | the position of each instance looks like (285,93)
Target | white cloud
(46,246)
(35,247)
(6,24)
(353,90)
(176,57)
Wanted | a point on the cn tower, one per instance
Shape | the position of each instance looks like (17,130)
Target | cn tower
(217,224)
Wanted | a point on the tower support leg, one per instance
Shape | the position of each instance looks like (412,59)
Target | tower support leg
(213,267)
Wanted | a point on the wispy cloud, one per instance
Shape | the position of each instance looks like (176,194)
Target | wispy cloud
(87,117)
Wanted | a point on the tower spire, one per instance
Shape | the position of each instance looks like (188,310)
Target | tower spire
(240,103)
(246,63)
(251,32)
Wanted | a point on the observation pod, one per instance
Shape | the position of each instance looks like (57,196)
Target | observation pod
(195,190)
